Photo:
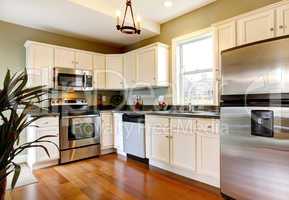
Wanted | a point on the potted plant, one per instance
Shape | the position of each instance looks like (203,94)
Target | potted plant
(16,100)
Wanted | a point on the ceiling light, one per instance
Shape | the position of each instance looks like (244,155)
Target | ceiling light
(168,4)
(125,28)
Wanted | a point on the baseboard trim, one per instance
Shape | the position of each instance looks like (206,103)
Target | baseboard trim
(186,173)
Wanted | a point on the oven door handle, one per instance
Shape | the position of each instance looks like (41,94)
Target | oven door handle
(84,80)
(80,116)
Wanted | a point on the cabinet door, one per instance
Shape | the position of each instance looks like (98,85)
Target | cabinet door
(64,58)
(114,72)
(52,149)
(208,147)
(84,60)
(227,36)
(283,20)
(118,132)
(39,56)
(146,63)
(184,145)
(129,70)
(99,77)
(40,76)
(256,27)
(208,155)
(160,139)
(106,131)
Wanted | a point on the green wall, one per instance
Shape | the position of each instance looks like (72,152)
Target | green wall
(13,37)
(201,18)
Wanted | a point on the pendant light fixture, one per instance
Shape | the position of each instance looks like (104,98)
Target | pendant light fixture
(126,28)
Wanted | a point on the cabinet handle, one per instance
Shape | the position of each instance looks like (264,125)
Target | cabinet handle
(271,29)
(168,137)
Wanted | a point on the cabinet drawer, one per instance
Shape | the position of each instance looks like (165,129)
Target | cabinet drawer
(181,125)
(158,122)
(206,126)
(47,122)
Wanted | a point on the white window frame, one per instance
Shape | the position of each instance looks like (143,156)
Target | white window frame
(176,91)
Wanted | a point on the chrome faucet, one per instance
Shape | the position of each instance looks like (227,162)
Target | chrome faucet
(191,108)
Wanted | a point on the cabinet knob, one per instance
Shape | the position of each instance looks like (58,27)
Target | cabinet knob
(281,26)
(271,29)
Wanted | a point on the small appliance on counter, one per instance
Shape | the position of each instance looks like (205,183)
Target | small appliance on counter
(79,129)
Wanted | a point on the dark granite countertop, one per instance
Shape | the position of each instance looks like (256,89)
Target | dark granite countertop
(36,112)
(196,114)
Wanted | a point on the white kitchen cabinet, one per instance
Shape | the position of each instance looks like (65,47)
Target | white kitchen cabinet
(83,60)
(129,69)
(118,133)
(256,27)
(208,148)
(40,76)
(159,135)
(37,157)
(64,58)
(39,64)
(146,66)
(184,147)
(283,20)
(114,71)
(107,138)
(99,70)
(39,56)
(226,35)
(153,65)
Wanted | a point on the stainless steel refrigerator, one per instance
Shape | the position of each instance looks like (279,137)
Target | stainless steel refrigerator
(255,121)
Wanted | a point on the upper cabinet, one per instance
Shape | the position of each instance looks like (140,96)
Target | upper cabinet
(39,56)
(283,20)
(99,78)
(64,58)
(114,71)
(256,27)
(129,69)
(146,62)
(226,35)
(153,65)
(68,58)
(84,60)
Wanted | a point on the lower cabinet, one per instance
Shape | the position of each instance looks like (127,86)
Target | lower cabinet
(183,143)
(160,141)
(185,146)
(118,133)
(107,138)
(37,157)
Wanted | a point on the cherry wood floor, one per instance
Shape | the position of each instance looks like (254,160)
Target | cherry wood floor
(111,177)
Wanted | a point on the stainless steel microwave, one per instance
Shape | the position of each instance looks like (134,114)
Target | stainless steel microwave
(74,79)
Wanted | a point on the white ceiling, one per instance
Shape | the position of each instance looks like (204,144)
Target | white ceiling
(93,19)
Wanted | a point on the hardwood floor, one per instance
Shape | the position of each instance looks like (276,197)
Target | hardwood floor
(111,177)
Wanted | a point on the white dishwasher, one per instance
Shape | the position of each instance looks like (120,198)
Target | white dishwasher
(134,134)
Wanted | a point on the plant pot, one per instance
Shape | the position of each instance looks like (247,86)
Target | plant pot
(3,189)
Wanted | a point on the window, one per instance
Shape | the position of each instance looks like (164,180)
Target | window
(194,70)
